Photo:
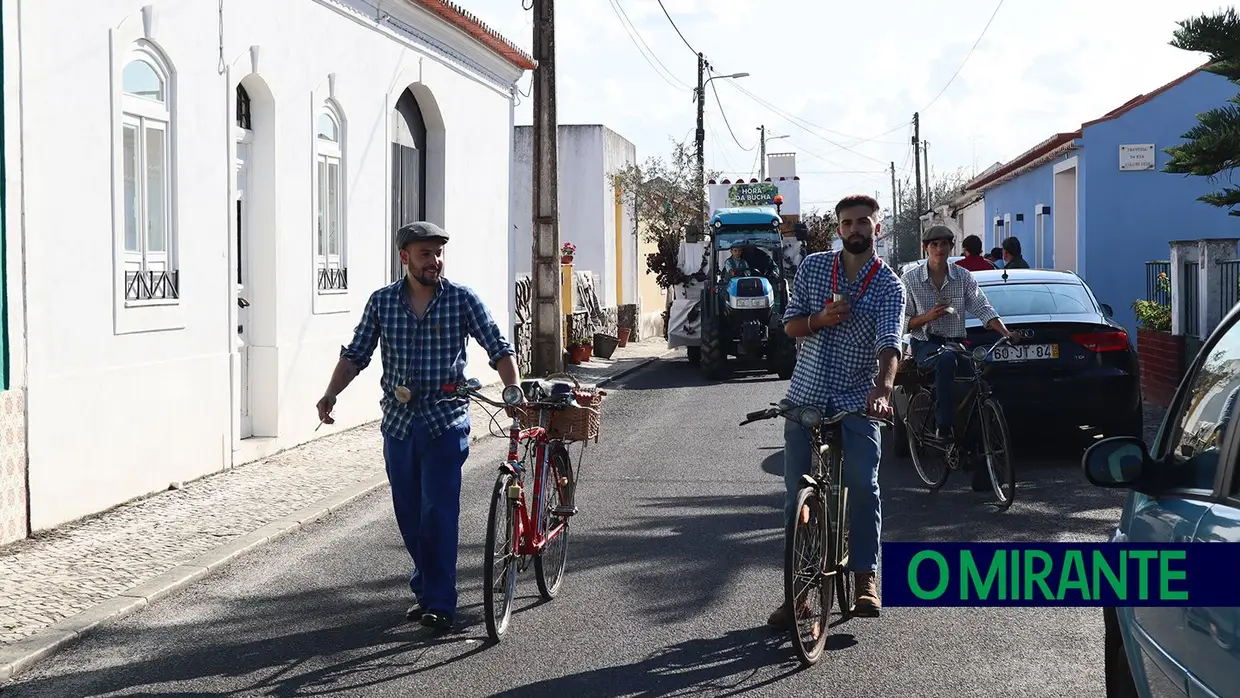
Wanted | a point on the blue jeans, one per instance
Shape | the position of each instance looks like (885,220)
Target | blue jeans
(861,455)
(425,475)
(947,366)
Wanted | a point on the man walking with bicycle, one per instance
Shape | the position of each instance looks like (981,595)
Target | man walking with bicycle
(849,308)
(936,294)
(424,322)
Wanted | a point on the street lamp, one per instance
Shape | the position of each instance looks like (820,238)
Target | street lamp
(701,133)
(762,154)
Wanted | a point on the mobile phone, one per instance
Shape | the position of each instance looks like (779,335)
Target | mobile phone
(839,297)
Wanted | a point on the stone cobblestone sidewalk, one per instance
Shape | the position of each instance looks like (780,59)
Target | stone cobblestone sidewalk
(63,572)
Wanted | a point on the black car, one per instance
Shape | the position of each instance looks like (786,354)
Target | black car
(1073,367)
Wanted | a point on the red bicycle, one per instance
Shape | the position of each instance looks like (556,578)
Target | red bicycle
(550,414)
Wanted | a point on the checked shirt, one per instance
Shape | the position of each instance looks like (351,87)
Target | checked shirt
(423,353)
(838,365)
(960,289)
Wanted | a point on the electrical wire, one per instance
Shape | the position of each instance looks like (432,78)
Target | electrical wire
(638,42)
(682,36)
(966,57)
(725,119)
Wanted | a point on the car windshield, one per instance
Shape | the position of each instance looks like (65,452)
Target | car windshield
(1038,299)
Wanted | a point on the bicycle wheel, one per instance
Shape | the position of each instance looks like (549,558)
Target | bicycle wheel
(807,552)
(550,561)
(917,425)
(499,587)
(843,576)
(998,452)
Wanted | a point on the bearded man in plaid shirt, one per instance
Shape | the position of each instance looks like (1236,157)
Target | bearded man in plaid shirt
(849,308)
(424,322)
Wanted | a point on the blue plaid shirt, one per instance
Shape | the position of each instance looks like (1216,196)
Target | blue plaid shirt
(423,354)
(838,365)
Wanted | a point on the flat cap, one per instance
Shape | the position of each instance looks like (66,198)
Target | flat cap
(419,231)
(938,232)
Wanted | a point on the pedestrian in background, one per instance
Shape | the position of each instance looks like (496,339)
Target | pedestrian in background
(973,259)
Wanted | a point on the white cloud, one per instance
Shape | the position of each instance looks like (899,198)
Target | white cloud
(1042,67)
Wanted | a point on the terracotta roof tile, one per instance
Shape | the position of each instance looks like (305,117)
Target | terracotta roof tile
(455,15)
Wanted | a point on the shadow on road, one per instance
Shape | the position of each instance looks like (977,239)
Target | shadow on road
(705,665)
(679,373)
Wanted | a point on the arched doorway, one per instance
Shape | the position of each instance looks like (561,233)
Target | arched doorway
(409,150)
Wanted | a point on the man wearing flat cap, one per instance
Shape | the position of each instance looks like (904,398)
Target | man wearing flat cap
(423,323)
(936,295)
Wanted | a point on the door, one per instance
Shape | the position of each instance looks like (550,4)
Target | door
(1165,644)
(406,195)
(241,211)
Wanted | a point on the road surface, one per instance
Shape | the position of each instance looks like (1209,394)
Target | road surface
(674,565)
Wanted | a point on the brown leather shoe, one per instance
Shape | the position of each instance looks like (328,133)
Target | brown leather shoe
(867,603)
(779,617)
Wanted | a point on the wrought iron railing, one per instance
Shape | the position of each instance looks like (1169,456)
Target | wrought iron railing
(333,279)
(1229,285)
(152,285)
(1156,291)
(1190,302)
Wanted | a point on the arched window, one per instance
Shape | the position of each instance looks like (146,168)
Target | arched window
(329,178)
(243,109)
(146,150)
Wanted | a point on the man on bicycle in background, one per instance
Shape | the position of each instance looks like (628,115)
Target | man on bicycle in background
(424,321)
(849,307)
(936,295)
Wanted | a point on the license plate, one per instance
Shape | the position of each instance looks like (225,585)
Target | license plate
(1025,352)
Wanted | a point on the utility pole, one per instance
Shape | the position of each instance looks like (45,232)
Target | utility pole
(895,213)
(699,204)
(546,340)
(917,163)
(762,156)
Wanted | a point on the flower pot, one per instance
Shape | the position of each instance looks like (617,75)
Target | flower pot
(574,356)
(587,353)
(566,259)
(624,336)
(606,344)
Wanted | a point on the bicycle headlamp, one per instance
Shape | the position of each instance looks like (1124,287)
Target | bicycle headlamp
(979,354)
(810,417)
(513,395)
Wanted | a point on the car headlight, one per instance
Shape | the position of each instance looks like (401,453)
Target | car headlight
(513,395)
(810,417)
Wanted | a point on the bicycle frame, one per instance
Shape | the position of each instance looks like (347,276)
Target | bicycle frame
(978,392)
(529,539)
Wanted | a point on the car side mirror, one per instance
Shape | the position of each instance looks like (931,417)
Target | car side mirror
(1120,461)
(1108,310)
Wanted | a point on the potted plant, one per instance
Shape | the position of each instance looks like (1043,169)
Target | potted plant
(574,351)
(1160,353)
(567,251)
(587,349)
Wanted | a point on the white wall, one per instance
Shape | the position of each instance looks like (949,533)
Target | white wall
(587,157)
(973,221)
(116,412)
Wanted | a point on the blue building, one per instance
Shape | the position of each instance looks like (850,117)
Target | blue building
(1096,201)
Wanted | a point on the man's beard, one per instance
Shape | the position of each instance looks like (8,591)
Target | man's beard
(858,244)
(427,277)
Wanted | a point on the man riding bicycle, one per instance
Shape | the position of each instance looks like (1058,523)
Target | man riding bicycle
(849,308)
(936,294)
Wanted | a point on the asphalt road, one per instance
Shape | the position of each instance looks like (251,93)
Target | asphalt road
(674,565)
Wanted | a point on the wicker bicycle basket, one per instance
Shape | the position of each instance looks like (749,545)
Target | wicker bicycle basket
(571,424)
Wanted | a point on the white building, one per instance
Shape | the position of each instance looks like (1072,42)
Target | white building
(203,193)
(601,225)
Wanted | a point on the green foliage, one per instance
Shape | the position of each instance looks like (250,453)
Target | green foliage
(823,228)
(1151,315)
(1212,147)
(662,192)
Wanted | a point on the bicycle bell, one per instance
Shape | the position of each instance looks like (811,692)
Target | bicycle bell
(403,394)
(810,417)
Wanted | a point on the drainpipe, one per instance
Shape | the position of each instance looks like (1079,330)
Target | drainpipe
(4,257)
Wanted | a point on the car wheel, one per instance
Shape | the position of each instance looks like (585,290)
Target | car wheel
(1117,672)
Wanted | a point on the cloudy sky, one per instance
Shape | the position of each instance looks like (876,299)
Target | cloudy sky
(842,81)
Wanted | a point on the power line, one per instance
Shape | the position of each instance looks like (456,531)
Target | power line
(638,42)
(719,103)
(682,36)
(966,57)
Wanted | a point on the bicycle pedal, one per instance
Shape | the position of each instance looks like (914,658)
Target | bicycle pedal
(564,511)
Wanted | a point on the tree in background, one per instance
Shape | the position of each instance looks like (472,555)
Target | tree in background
(823,228)
(662,194)
(907,224)
(1212,147)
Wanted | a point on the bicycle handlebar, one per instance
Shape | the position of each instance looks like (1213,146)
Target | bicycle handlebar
(472,390)
(958,348)
(775,410)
